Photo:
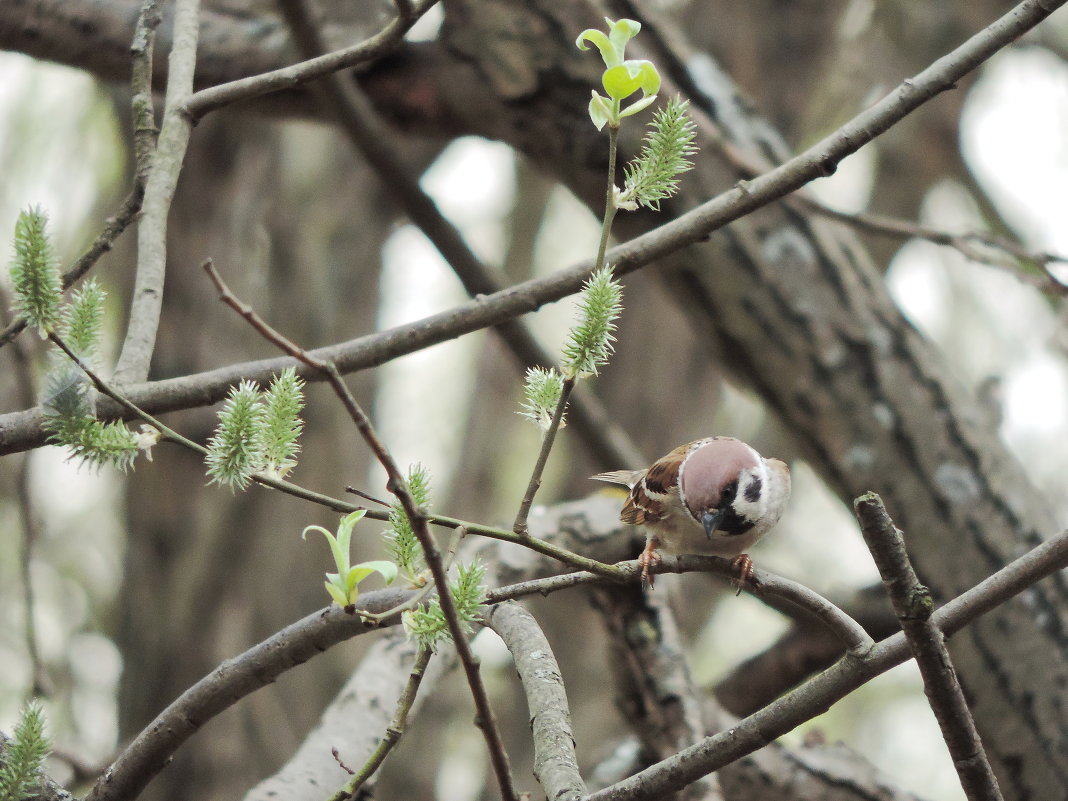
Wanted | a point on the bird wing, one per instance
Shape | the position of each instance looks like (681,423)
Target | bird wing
(648,496)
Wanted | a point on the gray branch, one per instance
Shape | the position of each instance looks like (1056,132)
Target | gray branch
(914,606)
(160,185)
(555,763)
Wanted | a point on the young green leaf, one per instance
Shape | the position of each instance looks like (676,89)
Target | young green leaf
(621,78)
(358,573)
(621,81)
(343,586)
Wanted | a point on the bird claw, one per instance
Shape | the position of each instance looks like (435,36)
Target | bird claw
(743,566)
(648,559)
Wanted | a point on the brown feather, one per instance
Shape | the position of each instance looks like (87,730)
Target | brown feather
(663,476)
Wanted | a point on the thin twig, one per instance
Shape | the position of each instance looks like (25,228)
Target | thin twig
(973,245)
(541,546)
(399,487)
(147,300)
(393,732)
(520,524)
(913,604)
(609,198)
(768,587)
(555,761)
(40,685)
(367,497)
(208,100)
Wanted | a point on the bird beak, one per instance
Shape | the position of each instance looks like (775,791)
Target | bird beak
(711,520)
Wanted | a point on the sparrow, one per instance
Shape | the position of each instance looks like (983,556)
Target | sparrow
(715,496)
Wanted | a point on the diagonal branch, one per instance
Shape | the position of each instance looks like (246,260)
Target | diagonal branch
(208,100)
(914,605)
(260,665)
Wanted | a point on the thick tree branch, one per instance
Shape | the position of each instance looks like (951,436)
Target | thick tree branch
(228,683)
(142,104)
(208,100)
(166,163)
(555,762)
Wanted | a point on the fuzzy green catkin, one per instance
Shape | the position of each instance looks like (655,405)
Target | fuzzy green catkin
(541,394)
(282,425)
(589,343)
(653,176)
(235,452)
(401,543)
(24,756)
(83,320)
(428,625)
(35,272)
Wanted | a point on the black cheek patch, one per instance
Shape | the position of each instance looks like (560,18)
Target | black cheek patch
(752,492)
(732,524)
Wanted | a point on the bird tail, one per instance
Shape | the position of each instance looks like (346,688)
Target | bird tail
(627,478)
